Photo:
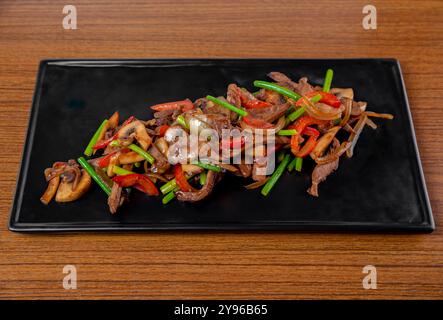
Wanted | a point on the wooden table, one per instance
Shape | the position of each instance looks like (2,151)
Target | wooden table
(221,265)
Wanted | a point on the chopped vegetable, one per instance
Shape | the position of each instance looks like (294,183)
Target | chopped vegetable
(181,180)
(103,144)
(328,80)
(207,166)
(120,171)
(202,178)
(183,105)
(138,181)
(253,103)
(168,187)
(310,144)
(298,163)
(275,87)
(299,112)
(291,164)
(89,169)
(90,147)
(170,196)
(104,161)
(276,175)
(257,123)
(289,132)
(320,96)
(295,115)
(181,121)
(142,152)
(227,105)
(162,130)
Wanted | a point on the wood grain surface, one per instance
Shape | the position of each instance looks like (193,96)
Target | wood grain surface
(207,264)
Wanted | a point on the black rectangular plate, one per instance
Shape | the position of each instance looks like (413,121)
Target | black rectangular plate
(381,188)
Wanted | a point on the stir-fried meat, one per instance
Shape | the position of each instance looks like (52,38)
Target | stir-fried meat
(164,117)
(210,107)
(233,95)
(218,122)
(320,173)
(283,80)
(358,108)
(115,199)
(161,163)
(245,170)
(270,114)
(202,193)
(302,87)
(271,97)
(323,170)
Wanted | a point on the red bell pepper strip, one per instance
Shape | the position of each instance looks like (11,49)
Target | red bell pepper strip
(182,105)
(326,97)
(104,143)
(181,180)
(253,103)
(300,126)
(310,144)
(104,161)
(257,123)
(162,130)
(138,181)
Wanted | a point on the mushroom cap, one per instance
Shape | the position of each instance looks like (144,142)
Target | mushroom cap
(137,130)
(65,192)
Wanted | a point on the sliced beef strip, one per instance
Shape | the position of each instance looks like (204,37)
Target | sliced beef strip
(322,171)
(245,170)
(302,87)
(161,163)
(270,97)
(218,122)
(202,193)
(165,117)
(270,114)
(210,107)
(358,108)
(233,95)
(115,199)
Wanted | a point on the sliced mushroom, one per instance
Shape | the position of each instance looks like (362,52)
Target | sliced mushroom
(113,120)
(50,190)
(343,93)
(324,142)
(114,161)
(162,146)
(67,193)
(130,157)
(135,130)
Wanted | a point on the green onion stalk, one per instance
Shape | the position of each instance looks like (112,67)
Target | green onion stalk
(90,147)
